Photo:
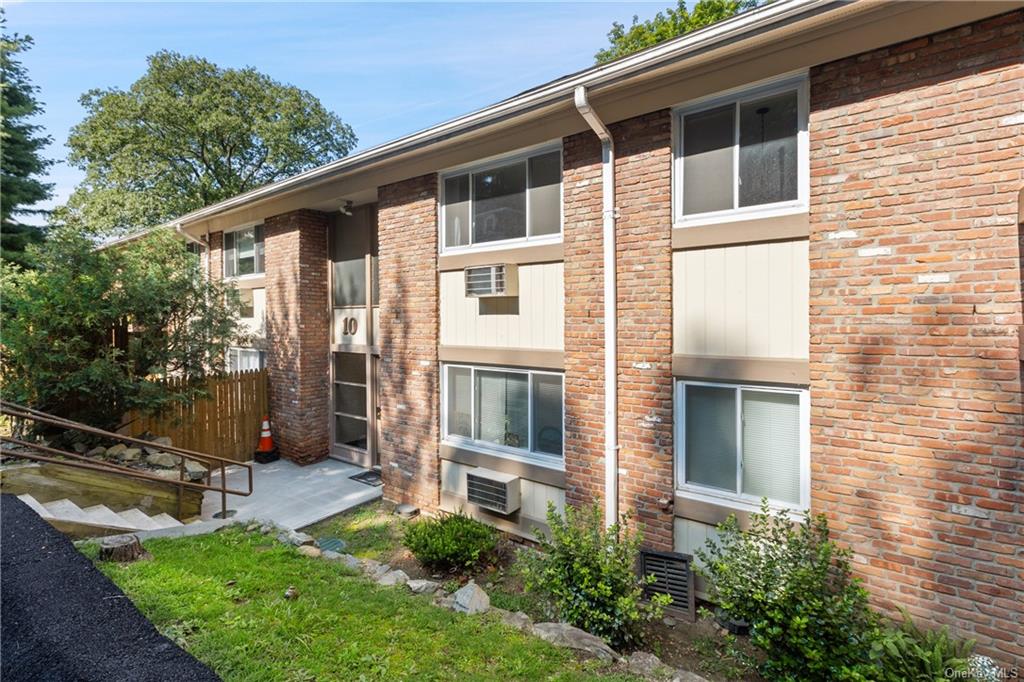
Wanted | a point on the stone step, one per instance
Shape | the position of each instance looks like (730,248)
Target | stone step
(35,506)
(66,510)
(101,515)
(166,521)
(138,519)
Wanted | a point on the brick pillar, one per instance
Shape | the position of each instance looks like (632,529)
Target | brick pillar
(916,425)
(644,279)
(298,333)
(409,324)
(216,255)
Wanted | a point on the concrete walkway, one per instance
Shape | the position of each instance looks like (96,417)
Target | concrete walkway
(292,496)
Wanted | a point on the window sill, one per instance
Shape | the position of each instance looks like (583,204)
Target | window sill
(253,281)
(513,251)
(742,229)
(738,503)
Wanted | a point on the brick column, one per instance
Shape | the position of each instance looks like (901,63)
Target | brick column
(298,333)
(915,309)
(644,324)
(216,256)
(409,324)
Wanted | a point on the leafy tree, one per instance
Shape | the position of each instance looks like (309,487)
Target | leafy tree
(88,333)
(20,147)
(188,134)
(674,21)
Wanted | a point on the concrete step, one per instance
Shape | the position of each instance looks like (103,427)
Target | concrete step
(35,506)
(66,510)
(165,521)
(138,519)
(101,515)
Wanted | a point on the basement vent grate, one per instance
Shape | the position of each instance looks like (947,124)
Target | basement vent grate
(673,573)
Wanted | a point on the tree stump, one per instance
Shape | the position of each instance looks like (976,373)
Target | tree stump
(122,548)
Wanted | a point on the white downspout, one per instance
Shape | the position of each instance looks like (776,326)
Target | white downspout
(611,435)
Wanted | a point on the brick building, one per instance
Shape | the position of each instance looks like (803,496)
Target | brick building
(812,259)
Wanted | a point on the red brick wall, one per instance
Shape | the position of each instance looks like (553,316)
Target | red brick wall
(408,377)
(915,304)
(298,333)
(644,324)
(216,255)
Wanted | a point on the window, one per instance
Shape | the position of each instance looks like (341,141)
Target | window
(511,200)
(744,154)
(247,306)
(743,443)
(243,252)
(242,359)
(517,412)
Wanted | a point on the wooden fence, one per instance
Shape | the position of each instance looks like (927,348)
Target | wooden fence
(227,424)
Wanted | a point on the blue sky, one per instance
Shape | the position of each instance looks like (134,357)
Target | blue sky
(386,68)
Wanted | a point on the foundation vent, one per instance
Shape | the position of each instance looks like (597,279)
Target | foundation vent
(486,281)
(673,573)
(493,490)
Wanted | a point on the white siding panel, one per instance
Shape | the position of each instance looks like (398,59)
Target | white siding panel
(688,536)
(742,301)
(534,496)
(534,319)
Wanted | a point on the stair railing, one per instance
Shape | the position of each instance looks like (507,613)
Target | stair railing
(75,460)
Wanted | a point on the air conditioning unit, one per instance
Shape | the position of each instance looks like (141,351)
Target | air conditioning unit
(493,490)
(484,281)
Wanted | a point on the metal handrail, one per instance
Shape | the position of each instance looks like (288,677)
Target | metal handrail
(78,461)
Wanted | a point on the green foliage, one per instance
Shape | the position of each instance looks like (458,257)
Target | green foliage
(220,597)
(794,586)
(451,541)
(188,134)
(907,653)
(20,147)
(589,573)
(59,350)
(674,21)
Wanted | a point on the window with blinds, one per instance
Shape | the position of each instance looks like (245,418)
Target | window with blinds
(243,252)
(504,410)
(743,441)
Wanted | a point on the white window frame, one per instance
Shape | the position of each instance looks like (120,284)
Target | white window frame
(261,357)
(490,163)
(739,500)
(738,96)
(256,323)
(520,454)
(224,252)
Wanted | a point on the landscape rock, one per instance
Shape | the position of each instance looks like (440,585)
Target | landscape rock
(565,635)
(157,443)
(471,599)
(346,559)
(310,551)
(97,451)
(114,451)
(444,601)
(517,620)
(380,571)
(129,455)
(79,447)
(687,676)
(267,529)
(194,471)
(648,666)
(164,460)
(391,578)
(252,528)
(291,537)
(169,474)
(423,586)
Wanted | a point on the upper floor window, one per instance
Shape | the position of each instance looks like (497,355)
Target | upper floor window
(743,154)
(243,252)
(515,199)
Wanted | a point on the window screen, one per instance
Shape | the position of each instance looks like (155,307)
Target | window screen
(711,436)
(768,150)
(771,445)
(502,415)
(547,413)
(708,139)
(499,203)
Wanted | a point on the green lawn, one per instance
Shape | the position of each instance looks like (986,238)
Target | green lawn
(221,597)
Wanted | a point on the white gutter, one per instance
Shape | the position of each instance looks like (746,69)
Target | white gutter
(611,353)
(749,23)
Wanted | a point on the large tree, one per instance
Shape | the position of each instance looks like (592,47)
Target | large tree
(674,21)
(21,162)
(89,333)
(188,134)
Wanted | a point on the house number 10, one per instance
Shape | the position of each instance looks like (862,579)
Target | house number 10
(349,326)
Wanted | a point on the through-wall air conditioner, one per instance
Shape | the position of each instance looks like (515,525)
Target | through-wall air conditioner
(483,281)
(493,490)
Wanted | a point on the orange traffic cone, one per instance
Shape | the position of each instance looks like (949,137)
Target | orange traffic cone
(266,451)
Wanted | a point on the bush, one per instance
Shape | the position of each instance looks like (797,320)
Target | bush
(794,586)
(589,573)
(908,653)
(451,541)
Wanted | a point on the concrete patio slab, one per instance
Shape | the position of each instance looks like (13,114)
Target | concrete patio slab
(292,496)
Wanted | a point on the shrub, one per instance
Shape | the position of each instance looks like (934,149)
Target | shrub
(451,541)
(589,573)
(794,586)
(908,653)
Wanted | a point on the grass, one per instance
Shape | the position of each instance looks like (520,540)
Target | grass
(367,532)
(221,597)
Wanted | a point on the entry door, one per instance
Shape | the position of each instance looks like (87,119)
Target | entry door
(351,407)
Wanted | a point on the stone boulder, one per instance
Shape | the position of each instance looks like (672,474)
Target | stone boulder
(114,451)
(157,443)
(514,619)
(296,539)
(392,578)
(565,635)
(129,455)
(194,471)
(471,599)
(98,451)
(309,551)
(162,460)
(423,586)
(648,666)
